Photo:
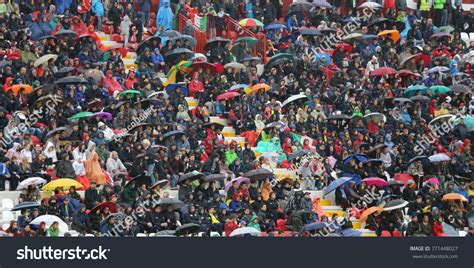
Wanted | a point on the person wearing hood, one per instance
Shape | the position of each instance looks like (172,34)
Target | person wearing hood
(125,29)
(165,17)
(98,10)
(108,132)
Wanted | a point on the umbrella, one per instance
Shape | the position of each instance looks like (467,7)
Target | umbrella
(106,115)
(394,34)
(148,43)
(131,92)
(275,26)
(238,86)
(433,181)
(166,233)
(161,183)
(300,6)
(25,205)
(57,131)
(420,98)
(395,204)
(373,161)
(339,117)
(245,231)
(327,30)
(139,180)
(47,37)
(298,154)
(412,90)
(357,157)
(81,115)
(95,74)
(214,42)
(66,33)
(214,177)
(439,89)
(30,181)
(446,117)
(378,116)
(454,196)
(314,226)
(468,121)
(377,21)
(405,73)
(395,182)
(172,133)
(407,59)
(112,207)
(185,37)
(403,177)
(188,228)
(72,80)
(417,158)
(438,69)
(49,220)
(228,95)
(370,36)
(402,100)
(64,183)
(27,89)
(44,59)
(64,71)
(235,65)
(445,29)
(179,53)
(310,32)
(352,36)
(440,35)
(258,174)
(256,60)
(277,124)
(250,22)
(259,87)
(175,202)
(215,124)
(170,33)
(370,5)
(383,71)
(335,184)
(191,176)
(278,59)
(460,88)
(366,213)
(204,66)
(239,181)
(247,39)
(172,87)
(321,3)
(138,126)
(379,182)
(294,98)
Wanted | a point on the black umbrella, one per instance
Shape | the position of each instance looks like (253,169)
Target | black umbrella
(139,125)
(339,117)
(214,177)
(395,182)
(311,32)
(420,98)
(139,180)
(47,37)
(418,158)
(276,62)
(188,228)
(25,205)
(65,33)
(460,88)
(161,183)
(363,145)
(378,21)
(377,147)
(327,30)
(258,174)
(373,161)
(175,202)
(64,71)
(402,100)
(298,154)
(148,43)
(395,204)
(213,43)
(166,233)
(216,125)
(179,54)
(57,131)
(191,176)
(170,33)
(172,133)
(72,80)
(277,124)
(257,60)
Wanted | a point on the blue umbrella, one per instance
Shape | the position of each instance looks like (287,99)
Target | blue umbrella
(172,87)
(275,26)
(25,205)
(336,183)
(351,232)
(411,91)
(325,56)
(238,86)
(314,226)
(357,157)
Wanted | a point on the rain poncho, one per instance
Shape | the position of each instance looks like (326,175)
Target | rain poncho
(39,29)
(269,146)
(93,170)
(62,5)
(164,17)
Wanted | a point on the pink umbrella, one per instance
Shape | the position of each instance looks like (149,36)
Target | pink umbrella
(105,115)
(239,180)
(378,182)
(434,181)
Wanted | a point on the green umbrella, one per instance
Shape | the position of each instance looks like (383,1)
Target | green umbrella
(447,29)
(440,89)
(468,121)
(247,39)
(132,92)
(279,58)
(81,115)
(412,90)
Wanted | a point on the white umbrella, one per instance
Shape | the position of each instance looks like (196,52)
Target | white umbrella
(157,94)
(30,181)
(48,220)
(370,5)
(352,35)
(44,59)
(245,231)
(444,116)
(294,98)
(200,56)
(438,69)
(395,204)
(439,158)
(379,115)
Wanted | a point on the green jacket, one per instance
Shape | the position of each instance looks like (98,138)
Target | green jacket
(439,4)
(53,232)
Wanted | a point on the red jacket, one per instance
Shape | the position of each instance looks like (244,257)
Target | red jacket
(438,229)
(229,227)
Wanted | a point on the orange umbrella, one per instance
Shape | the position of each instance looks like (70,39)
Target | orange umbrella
(16,88)
(363,217)
(258,87)
(454,196)
(394,34)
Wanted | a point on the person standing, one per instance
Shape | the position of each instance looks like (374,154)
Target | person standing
(150,156)
(145,8)
(165,17)
(440,12)
(98,10)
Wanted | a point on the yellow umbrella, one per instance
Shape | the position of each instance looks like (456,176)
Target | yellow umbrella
(394,34)
(454,196)
(64,183)
(363,217)
(258,87)
(175,69)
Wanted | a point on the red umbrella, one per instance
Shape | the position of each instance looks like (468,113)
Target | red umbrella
(205,66)
(404,177)
(405,73)
(383,71)
(228,95)
(379,182)
(112,207)
(426,59)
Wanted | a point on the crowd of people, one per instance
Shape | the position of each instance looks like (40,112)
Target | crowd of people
(372,106)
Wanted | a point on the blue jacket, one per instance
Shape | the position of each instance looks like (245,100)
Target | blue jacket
(4,169)
(98,8)
(157,58)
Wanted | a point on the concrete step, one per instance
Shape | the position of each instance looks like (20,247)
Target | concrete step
(283,173)
(325,202)
(108,44)
(239,140)
(131,56)
(216,119)
(192,102)
(330,207)
(228,132)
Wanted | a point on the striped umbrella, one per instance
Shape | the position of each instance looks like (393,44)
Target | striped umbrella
(249,22)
